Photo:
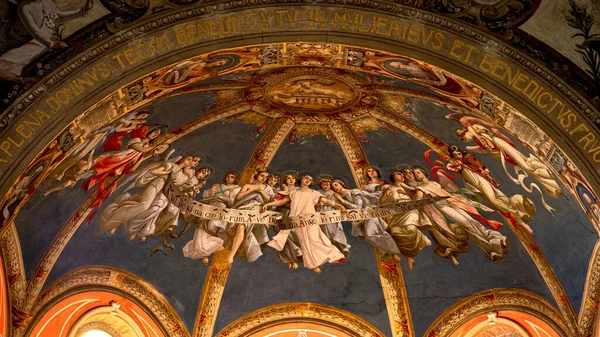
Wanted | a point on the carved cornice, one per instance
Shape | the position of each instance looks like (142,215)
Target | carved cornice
(499,17)
(127,283)
(170,17)
(299,312)
(497,299)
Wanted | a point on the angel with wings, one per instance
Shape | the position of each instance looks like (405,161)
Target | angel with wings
(517,209)
(138,213)
(109,134)
(246,240)
(207,233)
(405,228)
(372,230)
(490,140)
(466,222)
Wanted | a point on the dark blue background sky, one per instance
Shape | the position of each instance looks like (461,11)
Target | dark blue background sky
(567,237)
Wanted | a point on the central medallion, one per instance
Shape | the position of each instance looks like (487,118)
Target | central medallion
(311,90)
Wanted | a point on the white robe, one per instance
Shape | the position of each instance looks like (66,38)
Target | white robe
(138,213)
(206,234)
(316,248)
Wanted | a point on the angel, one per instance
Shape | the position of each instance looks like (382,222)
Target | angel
(592,209)
(138,213)
(206,239)
(405,228)
(447,243)
(124,161)
(24,188)
(518,209)
(274,180)
(246,240)
(372,230)
(92,140)
(193,186)
(490,140)
(316,248)
(169,216)
(290,179)
(291,253)
(333,231)
(133,126)
(81,170)
(464,226)
(374,182)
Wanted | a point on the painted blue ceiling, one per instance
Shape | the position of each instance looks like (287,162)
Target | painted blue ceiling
(567,238)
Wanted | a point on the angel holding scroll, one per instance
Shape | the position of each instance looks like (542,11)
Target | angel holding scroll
(245,240)
(333,231)
(206,234)
(406,227)
(464,226)
(372,230)
(138,213)
(291,253)
(316,248)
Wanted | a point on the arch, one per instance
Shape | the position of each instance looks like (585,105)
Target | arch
(532,89)
(518,309)
(96,290)
(297,316)
(112,320)
(4,302)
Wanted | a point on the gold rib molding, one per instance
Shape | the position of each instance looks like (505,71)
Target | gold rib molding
(267,147)
(353,151)
(218,272)
(10,247)
(396,299)
(212,293)
(538,257)
(390,272)
(591,295)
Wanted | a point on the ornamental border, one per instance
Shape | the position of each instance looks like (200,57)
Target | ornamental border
(492,300)
(174,16)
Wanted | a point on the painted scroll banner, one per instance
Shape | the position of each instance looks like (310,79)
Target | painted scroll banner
(270,218)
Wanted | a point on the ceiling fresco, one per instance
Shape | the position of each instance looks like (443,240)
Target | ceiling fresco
(148,179)
(29,52)
(375,168)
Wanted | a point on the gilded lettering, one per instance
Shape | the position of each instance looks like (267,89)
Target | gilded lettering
(587,139)
(5,147)
(438,42)
(23,132)
(456,45)
(540,97)
(521,78)
(119,59)
(580,127)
